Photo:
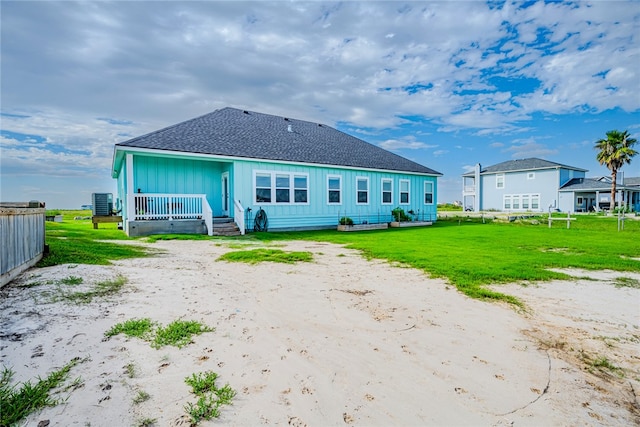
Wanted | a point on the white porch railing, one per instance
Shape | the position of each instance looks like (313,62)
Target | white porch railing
(155,206)
(238,215)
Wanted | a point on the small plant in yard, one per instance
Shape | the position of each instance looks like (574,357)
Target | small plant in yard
(345,220)
(71,280)
(138,328)
(603,363)
(266,255)
(210,397)
(178,333)
(142,396)
(18,402)
(399,215)
(100,290)
(626,282)
(146,422)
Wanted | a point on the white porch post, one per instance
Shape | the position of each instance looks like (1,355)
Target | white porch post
(597,201)
(130,192)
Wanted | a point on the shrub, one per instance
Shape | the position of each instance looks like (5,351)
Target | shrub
(345,220)
(399,215)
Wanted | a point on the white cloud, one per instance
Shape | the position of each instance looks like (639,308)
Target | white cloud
(407,143)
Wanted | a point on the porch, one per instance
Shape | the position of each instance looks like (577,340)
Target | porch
(163,213)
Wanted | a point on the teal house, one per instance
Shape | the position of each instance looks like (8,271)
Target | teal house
(241,170)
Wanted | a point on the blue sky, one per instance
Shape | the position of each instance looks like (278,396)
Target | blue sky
(447,84)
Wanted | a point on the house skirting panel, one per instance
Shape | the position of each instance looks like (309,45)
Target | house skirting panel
(184,226)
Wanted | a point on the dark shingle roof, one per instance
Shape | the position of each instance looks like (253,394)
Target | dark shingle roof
(239,133)
(600,184)
(532,163)
(576,184)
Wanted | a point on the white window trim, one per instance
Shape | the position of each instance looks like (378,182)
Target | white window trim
(292,189)
(360,178)
(339,178)
(498,176)
(408,202)
(425,193)
(504,202)
(382,181)
(520,198)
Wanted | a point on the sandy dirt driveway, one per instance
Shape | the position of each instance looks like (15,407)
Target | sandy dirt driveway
(337,341)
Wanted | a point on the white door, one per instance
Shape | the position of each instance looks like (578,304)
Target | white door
(225,194)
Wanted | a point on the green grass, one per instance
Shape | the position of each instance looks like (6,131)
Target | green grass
(136,328)
(18,401)
(470,254)
(255,256)
(76,242)
(210,397)
(100,290)
(626,282)
(177,333)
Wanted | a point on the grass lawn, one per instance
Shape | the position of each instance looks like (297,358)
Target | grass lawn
(76,242)
(466,252)
(470,254)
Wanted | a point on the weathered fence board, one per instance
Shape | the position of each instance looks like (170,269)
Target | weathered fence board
(21,240)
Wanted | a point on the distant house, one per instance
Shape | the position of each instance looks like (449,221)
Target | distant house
(518,185)
(592,194)
(237,164)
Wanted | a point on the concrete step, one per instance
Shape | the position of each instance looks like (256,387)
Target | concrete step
(225,227)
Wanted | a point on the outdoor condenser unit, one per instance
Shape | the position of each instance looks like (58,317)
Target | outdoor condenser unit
(102,204)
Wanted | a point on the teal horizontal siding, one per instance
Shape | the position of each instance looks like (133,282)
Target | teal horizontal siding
(318,212)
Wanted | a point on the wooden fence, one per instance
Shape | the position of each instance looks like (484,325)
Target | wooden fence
(21,240)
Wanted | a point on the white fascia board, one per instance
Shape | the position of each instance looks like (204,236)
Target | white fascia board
(253,159)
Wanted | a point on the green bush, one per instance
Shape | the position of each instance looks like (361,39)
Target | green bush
(345,220)
(399,215)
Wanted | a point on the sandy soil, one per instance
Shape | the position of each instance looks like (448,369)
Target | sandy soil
(339,341)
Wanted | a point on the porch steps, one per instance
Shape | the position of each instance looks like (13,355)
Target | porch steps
(225,226)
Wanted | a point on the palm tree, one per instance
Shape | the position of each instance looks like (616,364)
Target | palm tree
(615,151)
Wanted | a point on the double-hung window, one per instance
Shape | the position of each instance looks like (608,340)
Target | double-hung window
(362,191)
(281,188)
(428,193)
(525,201)
(334,190)
(387,191)
(404,191)
(300,189)
(507,203)
(535,201)
(500,180)
(263,187)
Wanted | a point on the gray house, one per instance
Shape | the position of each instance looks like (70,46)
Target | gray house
(518,185)
(593,194)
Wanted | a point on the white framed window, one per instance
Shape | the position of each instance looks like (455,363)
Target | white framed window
(387,191)
(300,188)
(428,193)
(500,180)
(535,201)
(404,192)
(507,202)
(580,201)
(531,175)
(515,202)
(283,188)
(334,190)
(262,187)
(525,201)
(362,190)
(280,187)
